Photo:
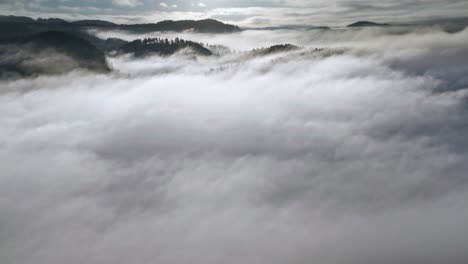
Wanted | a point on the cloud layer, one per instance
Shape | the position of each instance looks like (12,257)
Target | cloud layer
(243,12)
(356,153)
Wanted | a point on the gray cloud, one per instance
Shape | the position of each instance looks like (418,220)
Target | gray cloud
(271,12)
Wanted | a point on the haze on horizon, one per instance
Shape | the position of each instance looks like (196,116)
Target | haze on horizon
(248,13)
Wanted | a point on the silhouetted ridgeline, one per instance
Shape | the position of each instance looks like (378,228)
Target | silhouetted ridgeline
(16,19)
(202,26)
(151,46)
(12,26)
(49,53)
(367,24)
(94,23)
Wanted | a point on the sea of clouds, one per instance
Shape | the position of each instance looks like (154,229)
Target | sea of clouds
(355,153)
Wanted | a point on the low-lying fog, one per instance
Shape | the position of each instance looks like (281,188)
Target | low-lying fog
(353,153)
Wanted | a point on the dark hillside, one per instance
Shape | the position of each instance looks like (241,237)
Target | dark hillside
(367,24)
(163,47)
(49,53)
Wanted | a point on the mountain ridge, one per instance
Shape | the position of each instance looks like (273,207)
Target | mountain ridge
(201,26)
(367,24)
(49,52)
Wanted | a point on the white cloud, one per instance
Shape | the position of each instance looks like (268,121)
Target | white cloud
(199,4)
(129,3)
(165,5)
(353,154)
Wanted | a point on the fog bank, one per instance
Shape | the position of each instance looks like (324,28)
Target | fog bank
(356,153)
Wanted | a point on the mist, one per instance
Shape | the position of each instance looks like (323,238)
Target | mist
(351,149)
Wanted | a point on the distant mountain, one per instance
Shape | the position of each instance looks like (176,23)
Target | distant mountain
(51,21)
(202,26)
(367,24)
(164,47)
(49,53)
(289,27)
(13,26)
(94,23)
(15,19)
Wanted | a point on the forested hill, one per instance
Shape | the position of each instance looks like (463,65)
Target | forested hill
(13,26)
(49,53)
(367,24)
(159,46)
(273,49)
(201,26)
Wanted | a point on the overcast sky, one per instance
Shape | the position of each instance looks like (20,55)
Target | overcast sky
(243,12)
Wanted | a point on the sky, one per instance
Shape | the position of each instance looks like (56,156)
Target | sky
(242,12)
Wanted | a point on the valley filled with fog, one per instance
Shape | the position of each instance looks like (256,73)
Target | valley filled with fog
(349,146)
